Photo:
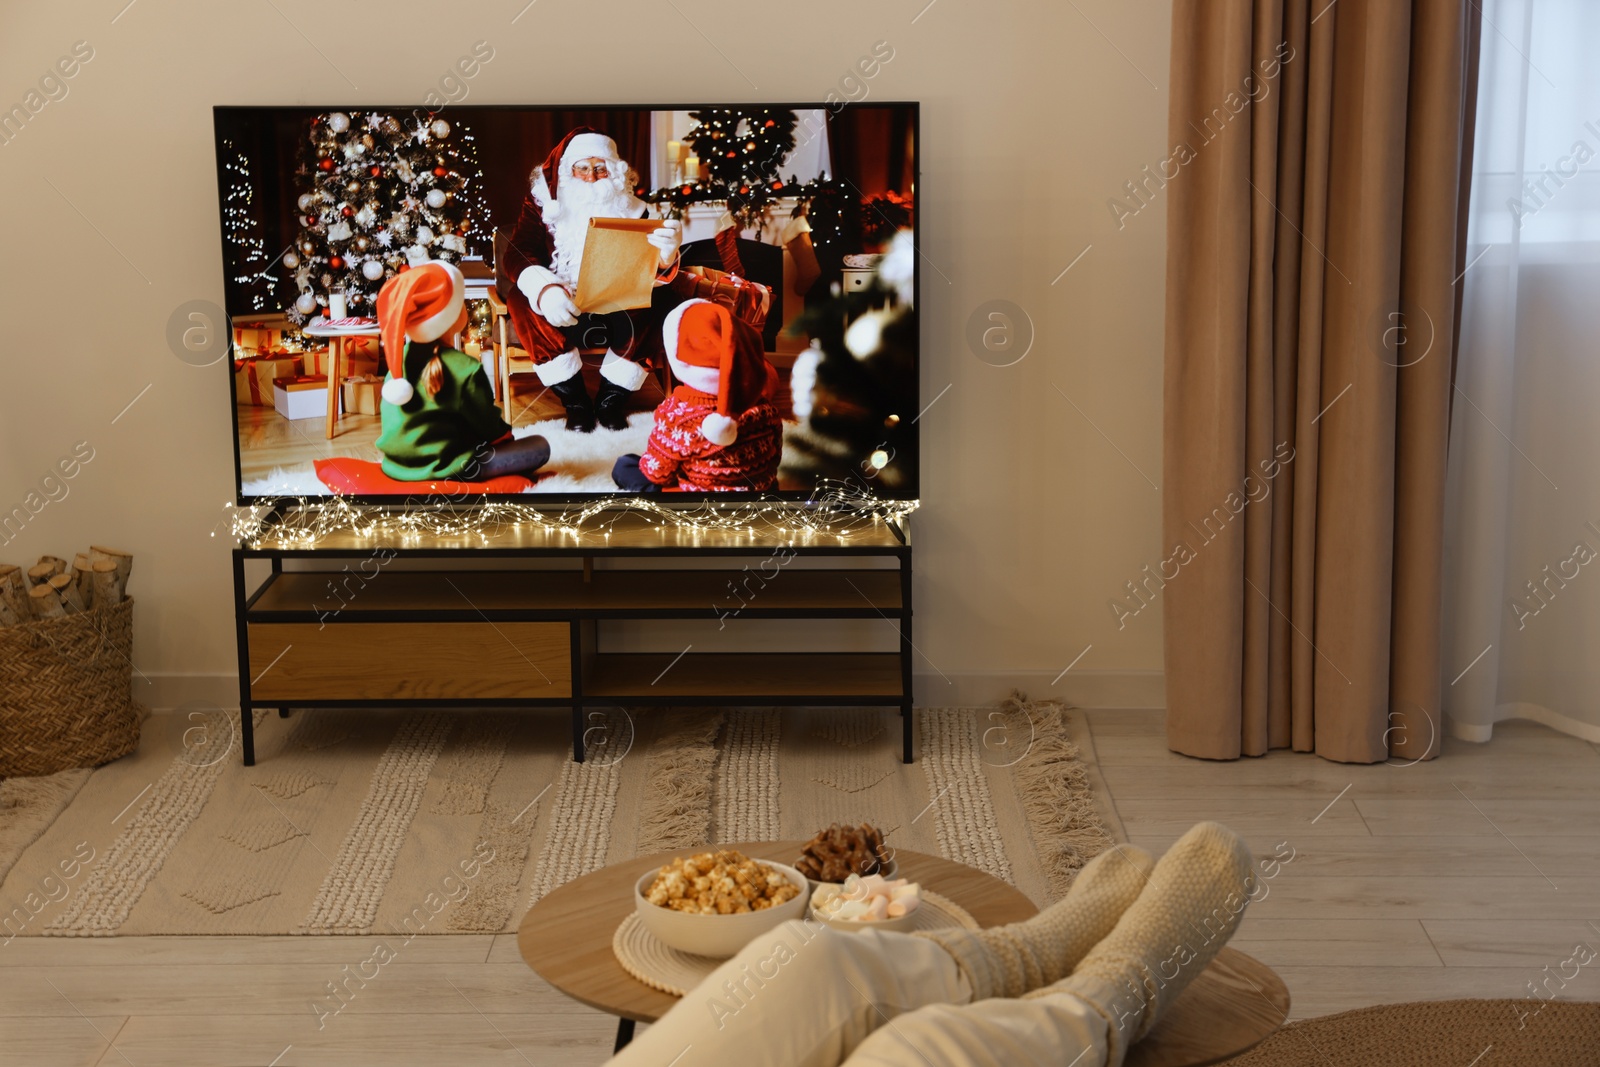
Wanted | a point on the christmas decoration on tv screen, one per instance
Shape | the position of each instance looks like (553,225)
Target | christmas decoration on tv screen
(378,192)
(707,307)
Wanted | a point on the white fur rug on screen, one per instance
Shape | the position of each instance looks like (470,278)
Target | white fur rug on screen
(579,462)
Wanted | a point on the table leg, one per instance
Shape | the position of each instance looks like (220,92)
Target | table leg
(335,351)
(624,1035)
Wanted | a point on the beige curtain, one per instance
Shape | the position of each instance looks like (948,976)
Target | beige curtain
(1315,236)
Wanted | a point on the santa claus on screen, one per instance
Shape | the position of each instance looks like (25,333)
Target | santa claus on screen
(583,178)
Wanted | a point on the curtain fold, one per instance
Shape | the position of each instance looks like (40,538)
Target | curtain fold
(1523,519)
(1314,240)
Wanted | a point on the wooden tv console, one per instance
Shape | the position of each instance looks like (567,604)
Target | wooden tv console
(371,634)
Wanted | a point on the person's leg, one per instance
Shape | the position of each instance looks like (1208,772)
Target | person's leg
(801,996)
(824,998)
(1010,960)
(522,455)
(628,477)
(1195,900)
(622,373)
(1058,1031)
(1192,904)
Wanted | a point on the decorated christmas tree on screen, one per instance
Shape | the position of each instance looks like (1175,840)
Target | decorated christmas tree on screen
(379,192)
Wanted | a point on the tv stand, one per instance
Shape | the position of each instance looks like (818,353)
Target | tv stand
(374,634)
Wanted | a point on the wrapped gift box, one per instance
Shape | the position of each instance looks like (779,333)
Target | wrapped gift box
(361,394)
(315,360)
(254,375)
(356,361)
(303,396)
(255,338)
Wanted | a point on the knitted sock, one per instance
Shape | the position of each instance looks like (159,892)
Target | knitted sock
(1196,896)
(1008,961)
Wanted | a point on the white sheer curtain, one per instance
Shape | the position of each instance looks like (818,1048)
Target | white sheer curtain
(1522,556)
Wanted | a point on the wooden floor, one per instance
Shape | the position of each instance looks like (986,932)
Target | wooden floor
(1465,877)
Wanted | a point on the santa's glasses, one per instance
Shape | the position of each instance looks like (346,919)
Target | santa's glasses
(590,169)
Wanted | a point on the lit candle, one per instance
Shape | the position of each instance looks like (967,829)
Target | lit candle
(674,151)
(691,168)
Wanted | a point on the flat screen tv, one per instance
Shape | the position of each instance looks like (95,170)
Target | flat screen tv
(535,303)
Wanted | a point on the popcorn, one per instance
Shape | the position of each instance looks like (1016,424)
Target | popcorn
(726,882)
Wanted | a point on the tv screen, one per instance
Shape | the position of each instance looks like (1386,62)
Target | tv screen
(701,302)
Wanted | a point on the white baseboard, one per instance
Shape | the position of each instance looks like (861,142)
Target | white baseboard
(186,692)
(975,689)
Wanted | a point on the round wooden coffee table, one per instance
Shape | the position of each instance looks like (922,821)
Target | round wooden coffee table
(566,938)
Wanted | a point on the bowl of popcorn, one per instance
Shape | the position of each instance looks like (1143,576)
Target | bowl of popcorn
(713,903)
(834,854)
(872,902)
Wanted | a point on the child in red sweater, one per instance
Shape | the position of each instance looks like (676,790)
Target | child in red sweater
(717,431)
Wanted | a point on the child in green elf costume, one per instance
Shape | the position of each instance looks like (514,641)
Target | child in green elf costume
(438,412)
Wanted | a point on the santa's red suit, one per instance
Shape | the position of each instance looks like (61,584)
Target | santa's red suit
(718,431)
(537,274)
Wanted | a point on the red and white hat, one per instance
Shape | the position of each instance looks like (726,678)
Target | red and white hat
(422,304)
(583,142)
(721,356)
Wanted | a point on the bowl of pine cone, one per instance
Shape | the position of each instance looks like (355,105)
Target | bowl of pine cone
(834,854)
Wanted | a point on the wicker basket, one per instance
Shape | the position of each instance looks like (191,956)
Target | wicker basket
(66,695)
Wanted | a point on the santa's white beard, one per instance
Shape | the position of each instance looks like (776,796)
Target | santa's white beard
(568,218)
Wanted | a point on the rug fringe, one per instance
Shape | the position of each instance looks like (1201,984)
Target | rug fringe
(29,805)
(675,811)
(1054,788)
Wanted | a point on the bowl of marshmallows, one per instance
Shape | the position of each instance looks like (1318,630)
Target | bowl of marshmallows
(867,902)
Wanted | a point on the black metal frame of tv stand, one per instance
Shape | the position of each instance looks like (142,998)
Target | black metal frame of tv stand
(590,547)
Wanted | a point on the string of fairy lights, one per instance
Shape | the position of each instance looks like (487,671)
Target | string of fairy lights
(241,222)
(837,509)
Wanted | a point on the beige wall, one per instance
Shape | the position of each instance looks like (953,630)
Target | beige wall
(1034,114)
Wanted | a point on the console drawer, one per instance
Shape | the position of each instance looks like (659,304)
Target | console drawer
(307,661)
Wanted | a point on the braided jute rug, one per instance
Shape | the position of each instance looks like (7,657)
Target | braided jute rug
(1442,1033)
(356,821)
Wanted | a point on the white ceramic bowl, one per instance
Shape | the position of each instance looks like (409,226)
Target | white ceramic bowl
(716,936)
(889,870)
(827,890)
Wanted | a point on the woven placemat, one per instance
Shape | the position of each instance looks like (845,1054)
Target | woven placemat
(675,973)
(1441,1033)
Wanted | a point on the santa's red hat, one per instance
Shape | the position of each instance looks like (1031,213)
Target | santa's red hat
(422,304)
(582,143)
(719,355)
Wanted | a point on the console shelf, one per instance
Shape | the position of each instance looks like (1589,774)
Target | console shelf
(485,630)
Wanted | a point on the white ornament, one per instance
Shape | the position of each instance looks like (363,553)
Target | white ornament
(338,122)
(403,169)
(384,238)
(306,304)
(339,231)
(454,242)
(440,129)
(436,197)
(291,260)
(366,217)
(424,234)
(416,255)
(306,201)
(372,270)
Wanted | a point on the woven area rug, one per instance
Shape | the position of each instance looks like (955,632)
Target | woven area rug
(1444,1033)
(455,822)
